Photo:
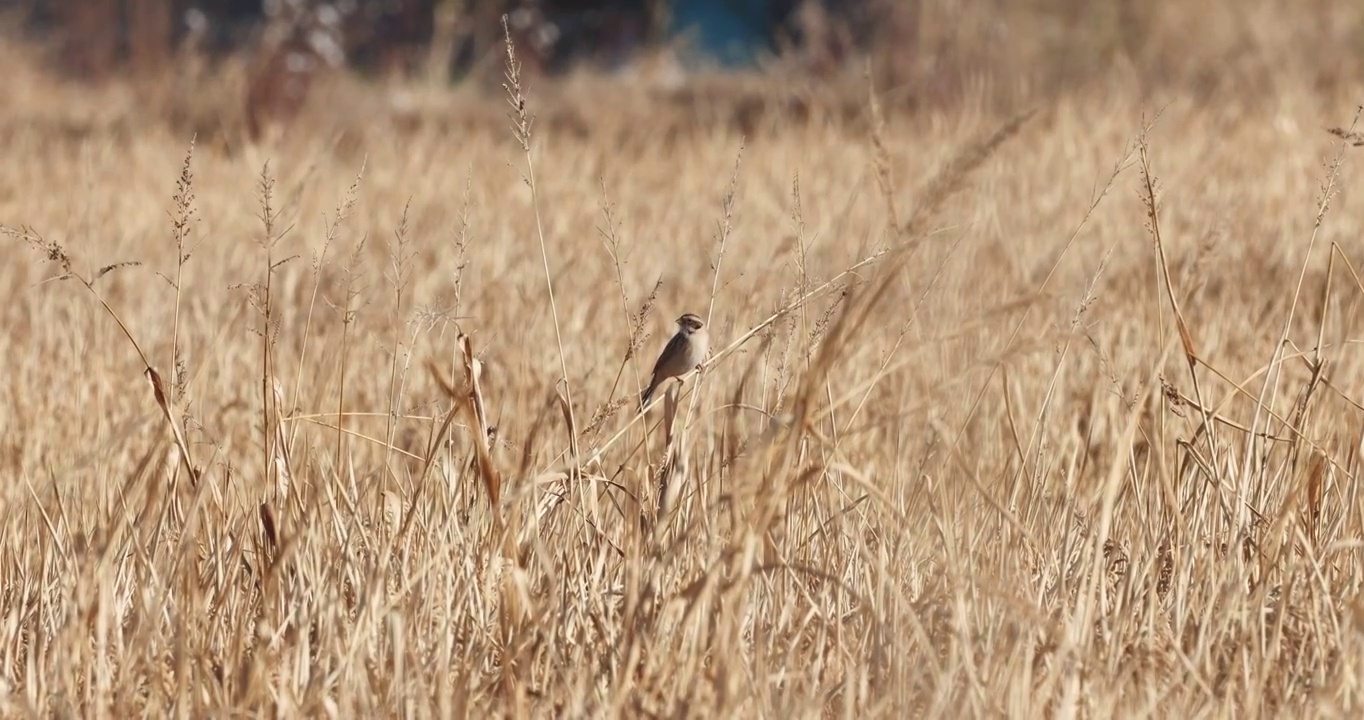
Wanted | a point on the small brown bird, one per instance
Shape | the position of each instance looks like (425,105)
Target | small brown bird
(686,350)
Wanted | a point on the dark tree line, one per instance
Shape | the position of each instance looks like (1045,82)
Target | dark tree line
(94,37)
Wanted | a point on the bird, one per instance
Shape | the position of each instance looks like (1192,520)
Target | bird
(686,350)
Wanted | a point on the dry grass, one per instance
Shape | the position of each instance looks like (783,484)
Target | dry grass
(999,420)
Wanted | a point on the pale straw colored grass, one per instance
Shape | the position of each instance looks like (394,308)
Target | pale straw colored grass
(946,461)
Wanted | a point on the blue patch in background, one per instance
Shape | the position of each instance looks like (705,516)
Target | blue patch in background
(730,32)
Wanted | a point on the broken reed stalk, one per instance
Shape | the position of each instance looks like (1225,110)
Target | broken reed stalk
(473,369)
(672,467)
(471,401)
(159,392)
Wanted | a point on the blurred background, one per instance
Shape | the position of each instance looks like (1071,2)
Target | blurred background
(433,36)
(259,59)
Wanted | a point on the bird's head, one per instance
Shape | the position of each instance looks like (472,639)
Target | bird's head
(690,323)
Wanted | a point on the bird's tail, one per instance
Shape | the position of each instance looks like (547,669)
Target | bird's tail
(648,393)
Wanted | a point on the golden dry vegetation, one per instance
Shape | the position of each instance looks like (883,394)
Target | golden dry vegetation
(983,435)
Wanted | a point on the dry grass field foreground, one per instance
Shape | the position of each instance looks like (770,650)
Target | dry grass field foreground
(983,433)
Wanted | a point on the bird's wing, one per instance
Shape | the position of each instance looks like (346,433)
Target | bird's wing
(672,351)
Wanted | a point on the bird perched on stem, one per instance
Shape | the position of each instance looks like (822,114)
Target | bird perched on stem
(685,351)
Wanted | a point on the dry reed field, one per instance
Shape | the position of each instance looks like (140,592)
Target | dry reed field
(1046,412)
